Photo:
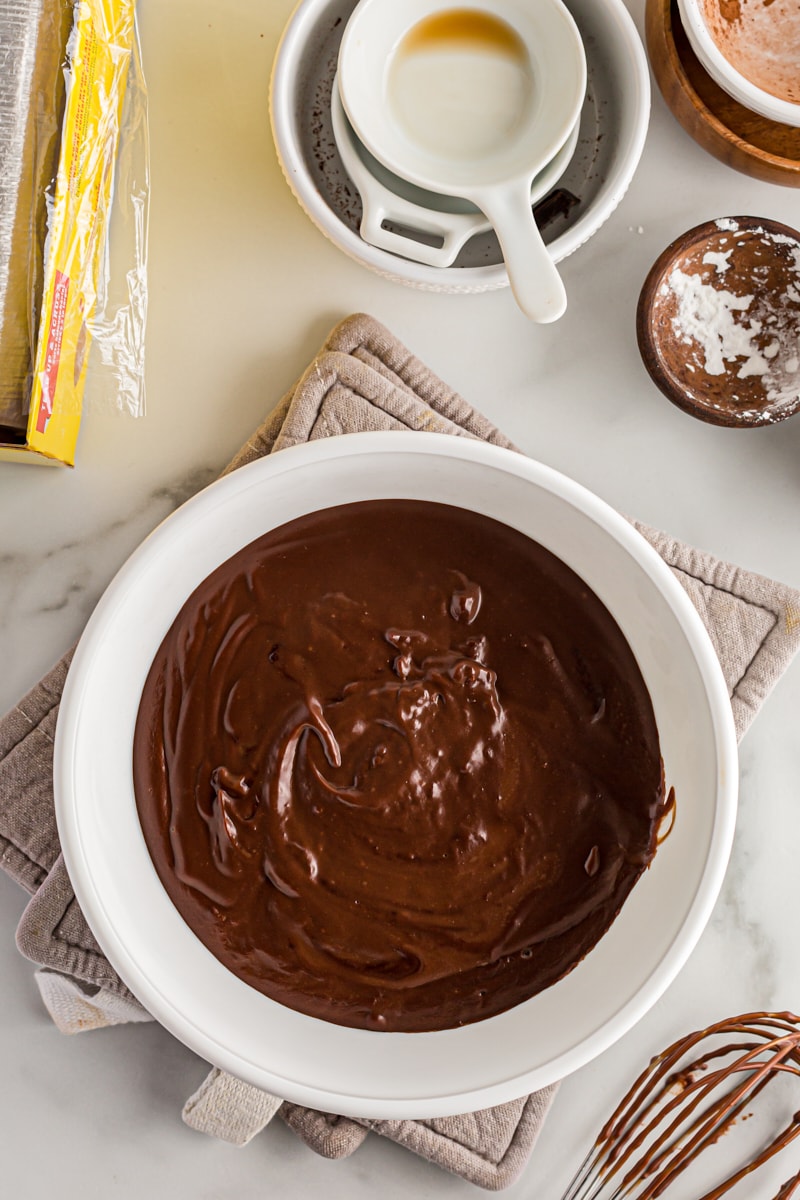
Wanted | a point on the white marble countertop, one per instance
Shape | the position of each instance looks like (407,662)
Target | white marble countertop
(243,290)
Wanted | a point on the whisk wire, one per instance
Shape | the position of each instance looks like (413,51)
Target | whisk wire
(681,1104)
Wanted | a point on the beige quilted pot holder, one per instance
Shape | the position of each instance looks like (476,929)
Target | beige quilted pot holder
(362,379)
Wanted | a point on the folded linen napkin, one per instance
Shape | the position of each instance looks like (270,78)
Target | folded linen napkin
(362,379)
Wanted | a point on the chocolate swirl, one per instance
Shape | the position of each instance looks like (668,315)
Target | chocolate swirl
(396,766)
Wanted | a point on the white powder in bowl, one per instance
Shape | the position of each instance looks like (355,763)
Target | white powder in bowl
(706,316)
(741,320)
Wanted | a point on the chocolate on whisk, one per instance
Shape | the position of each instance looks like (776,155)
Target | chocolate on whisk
(684,1101)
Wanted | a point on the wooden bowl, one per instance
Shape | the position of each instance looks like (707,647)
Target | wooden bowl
(718,322)
(732,133)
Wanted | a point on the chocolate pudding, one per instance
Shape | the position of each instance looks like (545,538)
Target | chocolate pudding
(396,766)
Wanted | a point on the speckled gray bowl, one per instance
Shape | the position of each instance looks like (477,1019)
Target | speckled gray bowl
(613,126)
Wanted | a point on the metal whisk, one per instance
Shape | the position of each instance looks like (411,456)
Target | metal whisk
(684,1101)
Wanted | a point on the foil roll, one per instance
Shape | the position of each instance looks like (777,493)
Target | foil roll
(33,42)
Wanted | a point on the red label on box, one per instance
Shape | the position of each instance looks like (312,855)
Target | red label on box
(53,356)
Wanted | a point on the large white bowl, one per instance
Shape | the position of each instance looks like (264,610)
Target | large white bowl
(613,126)
(352,1071)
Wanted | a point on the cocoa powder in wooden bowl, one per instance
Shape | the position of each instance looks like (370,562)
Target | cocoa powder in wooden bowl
(718,322)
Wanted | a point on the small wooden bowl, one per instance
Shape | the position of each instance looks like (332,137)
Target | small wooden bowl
(718,322)
(742,139)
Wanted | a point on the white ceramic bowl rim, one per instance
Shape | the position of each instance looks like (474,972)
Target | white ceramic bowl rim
(726,75)
(358,1072)
(551,37)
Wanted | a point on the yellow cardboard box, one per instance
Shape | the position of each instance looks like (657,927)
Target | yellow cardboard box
(99,53)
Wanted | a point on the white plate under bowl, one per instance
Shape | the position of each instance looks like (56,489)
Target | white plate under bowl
(613,126)
(352,1071)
